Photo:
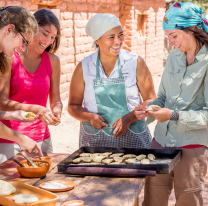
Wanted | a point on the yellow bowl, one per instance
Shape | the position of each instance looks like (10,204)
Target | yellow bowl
(33,172)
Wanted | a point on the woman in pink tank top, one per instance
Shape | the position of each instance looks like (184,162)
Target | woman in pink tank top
(34,76)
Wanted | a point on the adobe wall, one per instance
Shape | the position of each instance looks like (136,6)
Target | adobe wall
(75,44)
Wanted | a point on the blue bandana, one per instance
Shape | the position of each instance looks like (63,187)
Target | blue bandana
(182,15)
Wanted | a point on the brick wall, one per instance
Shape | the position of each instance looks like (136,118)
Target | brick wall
(75,44)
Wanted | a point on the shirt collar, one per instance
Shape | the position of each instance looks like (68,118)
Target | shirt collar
(199,56)
(123,54)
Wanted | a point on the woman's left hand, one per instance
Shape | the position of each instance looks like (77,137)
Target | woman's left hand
(121,125)
(161,114)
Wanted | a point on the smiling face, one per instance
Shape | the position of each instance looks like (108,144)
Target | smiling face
(110,43)
(13,41)
(44,38)
(182,40)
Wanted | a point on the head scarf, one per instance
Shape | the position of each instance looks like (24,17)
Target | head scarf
(99,24)
(182,15)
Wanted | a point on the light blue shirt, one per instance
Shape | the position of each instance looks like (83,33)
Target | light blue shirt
(184,88)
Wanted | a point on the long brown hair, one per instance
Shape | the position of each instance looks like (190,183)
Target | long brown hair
(200,35)
(46,17)
(22,19)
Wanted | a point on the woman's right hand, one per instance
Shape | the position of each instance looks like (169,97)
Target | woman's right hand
(140,112)
(16,115)
(29,145)
(47,116)
(97,121)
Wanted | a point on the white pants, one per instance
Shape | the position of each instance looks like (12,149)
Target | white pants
(7,150)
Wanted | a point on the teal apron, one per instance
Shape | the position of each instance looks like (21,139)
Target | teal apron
(112,104)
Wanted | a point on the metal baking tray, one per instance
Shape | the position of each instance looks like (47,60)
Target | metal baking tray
(166,159)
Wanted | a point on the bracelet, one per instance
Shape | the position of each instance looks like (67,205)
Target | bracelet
(174,115)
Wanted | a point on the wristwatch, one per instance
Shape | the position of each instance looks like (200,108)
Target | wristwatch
(174,115)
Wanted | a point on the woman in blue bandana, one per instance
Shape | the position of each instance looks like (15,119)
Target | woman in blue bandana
(109,83)
(183,109)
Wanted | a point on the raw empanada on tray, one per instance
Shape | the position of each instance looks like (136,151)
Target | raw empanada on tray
(94,154)
(105,154)
(141,157)
(130,161)
(99,158)
(117,155)
(145,161)
(87,159)
(77,160)
(118,159)
(85,155)
(127,156)
(107,161)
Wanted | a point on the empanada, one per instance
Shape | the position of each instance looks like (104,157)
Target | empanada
(94,154)
(145,161)
(107,161)
(117,155)
(99,158)
(129,156)
(87,159)
(77,160)
(130,161)
(141,157)
(105,154)
(85,155)
(151,157)
(118,159)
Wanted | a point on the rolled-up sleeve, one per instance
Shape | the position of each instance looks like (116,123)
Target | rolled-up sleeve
(193,120)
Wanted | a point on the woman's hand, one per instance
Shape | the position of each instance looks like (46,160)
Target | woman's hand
(57,113)
(16,115)
(161,114)
(97,121)
(121,125)
(29,145)
(47,116)
(140,112)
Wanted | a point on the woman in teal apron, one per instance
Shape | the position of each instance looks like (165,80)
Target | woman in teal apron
(110,82)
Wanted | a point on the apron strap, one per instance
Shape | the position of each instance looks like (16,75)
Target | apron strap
(97,67)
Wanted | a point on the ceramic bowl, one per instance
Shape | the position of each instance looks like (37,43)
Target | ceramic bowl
(46,158)
(33,172)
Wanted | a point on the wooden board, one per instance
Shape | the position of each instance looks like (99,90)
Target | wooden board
(105,191)
(44,197)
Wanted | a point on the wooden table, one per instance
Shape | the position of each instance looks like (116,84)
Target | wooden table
(94,191)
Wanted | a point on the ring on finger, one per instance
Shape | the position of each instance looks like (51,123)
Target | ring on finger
(34,151)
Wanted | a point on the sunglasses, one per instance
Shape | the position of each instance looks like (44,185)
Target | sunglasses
(25,42)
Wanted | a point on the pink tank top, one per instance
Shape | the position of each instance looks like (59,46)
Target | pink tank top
(30,88)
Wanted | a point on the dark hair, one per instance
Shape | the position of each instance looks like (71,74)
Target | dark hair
(22,19)
(200,35)
(46,17)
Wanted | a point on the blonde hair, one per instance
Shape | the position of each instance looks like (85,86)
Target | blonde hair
(22,19)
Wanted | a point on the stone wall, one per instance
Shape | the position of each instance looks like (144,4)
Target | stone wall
(141,21)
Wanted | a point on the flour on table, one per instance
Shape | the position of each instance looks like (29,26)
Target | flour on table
(54,185)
